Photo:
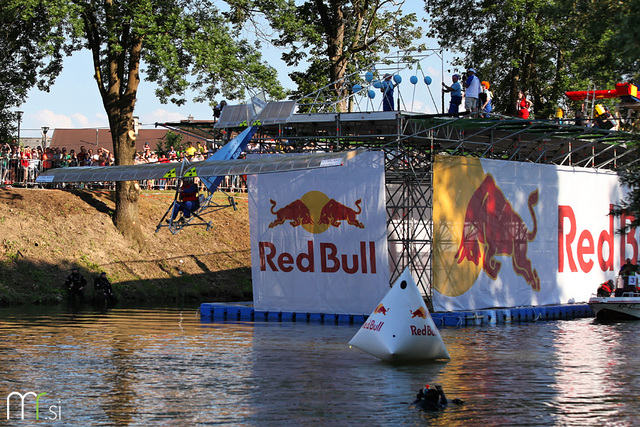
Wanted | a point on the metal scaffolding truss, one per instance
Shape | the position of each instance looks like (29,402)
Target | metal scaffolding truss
(410,141)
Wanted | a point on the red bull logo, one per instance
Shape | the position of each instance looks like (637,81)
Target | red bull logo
(492,228)
(315,212)
(296,212)
(421,312)
(381,309)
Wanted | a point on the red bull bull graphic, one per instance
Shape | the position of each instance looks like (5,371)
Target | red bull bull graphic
(333,213)
(420,312)
(315,212)
(381,309)
(296,212)
(493,228)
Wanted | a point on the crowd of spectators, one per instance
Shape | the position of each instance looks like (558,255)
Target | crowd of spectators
(20,165)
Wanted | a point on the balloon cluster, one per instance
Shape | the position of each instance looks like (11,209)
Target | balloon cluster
(397,78)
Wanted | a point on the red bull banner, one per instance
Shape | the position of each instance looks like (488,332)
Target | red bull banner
(318,238)
(518,234)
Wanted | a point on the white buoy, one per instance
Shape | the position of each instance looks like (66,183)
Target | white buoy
(401,328)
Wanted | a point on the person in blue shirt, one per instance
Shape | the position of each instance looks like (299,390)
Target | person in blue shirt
(456,94)
(386,87)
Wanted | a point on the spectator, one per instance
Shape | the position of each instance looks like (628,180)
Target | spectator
(81,156)
(472,85)
(523,105)
(386,87)
(190,151)
(485,99)
(456,94)
(73,159)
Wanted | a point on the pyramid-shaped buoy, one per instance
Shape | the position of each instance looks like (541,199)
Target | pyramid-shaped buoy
(401,328)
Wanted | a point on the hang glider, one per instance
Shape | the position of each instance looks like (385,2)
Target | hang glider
(210,172)
(209,168)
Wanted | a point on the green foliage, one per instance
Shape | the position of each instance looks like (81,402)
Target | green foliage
(544,47)
(630,207)
(332,38)
(171,139)
(31,56)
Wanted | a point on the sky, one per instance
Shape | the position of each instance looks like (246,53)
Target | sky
(74,101)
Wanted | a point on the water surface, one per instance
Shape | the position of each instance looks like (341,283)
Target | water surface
(166,367)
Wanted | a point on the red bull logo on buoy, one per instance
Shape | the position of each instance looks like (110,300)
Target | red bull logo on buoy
(381,309)
(420,312)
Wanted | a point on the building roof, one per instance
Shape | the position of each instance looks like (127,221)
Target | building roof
(92,138)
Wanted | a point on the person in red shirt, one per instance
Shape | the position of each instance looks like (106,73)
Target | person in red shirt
(523,106)
(187,201)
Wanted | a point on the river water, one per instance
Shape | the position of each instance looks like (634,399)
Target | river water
(164,366)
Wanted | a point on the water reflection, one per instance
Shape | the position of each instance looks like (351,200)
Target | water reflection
(166,367)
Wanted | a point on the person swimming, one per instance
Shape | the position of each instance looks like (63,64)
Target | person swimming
(432,399)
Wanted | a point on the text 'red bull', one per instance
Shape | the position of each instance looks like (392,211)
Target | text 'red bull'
(492,228)
(583,249)
(372,325)
(425,331)
(330,260)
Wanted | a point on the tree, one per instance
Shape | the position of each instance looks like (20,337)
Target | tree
(516,45)
(31,53)
(545,47)
(181,44)
(335,38)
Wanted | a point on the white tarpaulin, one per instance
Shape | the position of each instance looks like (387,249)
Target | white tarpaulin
(400,327)
(318,238)
(517,234)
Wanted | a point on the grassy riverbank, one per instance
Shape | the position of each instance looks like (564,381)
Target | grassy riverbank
(43,233)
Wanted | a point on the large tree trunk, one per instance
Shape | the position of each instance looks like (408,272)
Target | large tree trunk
(127,192)
(333,22)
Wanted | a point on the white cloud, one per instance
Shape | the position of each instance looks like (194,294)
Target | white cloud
(51,119)
(161,115)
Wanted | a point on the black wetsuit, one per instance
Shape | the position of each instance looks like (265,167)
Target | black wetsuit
(103,290)
(75,284)
(432,399)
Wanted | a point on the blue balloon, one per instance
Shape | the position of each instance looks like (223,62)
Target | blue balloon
(427,80)
(413,79)
(368,76)
(356,88)
(397,78)
(377,84)
(372,93)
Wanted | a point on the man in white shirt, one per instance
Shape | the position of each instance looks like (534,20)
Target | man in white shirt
(472,85)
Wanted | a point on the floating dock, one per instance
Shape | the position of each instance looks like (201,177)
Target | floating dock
(245,312)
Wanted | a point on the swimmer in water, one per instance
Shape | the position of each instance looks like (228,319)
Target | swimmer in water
(432,399)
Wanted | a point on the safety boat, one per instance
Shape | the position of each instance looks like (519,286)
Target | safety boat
(626,306)
(624,303)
